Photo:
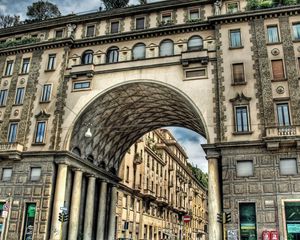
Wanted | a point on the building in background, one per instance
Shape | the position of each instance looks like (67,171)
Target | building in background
(157,190)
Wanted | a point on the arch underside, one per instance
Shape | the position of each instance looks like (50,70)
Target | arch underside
(119,117)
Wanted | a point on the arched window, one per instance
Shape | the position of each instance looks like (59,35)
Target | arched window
(139,51)
(76,151)
(195,43)
(87,57)
(166,48)
(112,55)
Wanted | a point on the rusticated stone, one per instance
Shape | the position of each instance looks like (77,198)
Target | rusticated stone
(239,189)
(283,187)
(268,187)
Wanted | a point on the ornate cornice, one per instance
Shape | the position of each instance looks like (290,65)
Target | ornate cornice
(240,98)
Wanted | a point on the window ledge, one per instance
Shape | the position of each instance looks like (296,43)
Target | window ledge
(242,133)
(2,106)
(49,70)
(296,40)
(38,144)
(17,105)
(273,43)
(6,76)
(279,80)
(238,84)
(233,48)
(45,101)
(23,74)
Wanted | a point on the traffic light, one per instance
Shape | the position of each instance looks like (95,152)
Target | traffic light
(226,217)
(66,217)
(61,217)
(219,218)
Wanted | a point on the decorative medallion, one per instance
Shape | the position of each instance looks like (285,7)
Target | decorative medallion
(275,51)
(5,83)
(22,80)
(16,112)
(298,49)
(280,90)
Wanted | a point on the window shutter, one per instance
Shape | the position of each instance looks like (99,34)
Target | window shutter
(277,67)
(238,73)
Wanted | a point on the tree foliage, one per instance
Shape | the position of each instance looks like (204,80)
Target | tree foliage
(201,176)
(111,4)
(142,2)
(42,10)
(9,20)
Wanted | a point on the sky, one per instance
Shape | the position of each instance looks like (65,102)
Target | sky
(19,7)
(188,139)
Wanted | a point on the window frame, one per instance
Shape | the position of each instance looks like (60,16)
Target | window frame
(163,42)
(236,131)
(2,174)
(42,100)
(289,114)
(283,70)
(87,32)
(195,69)
(36,132)
(135,22)
(27,66)
(51,62)
(231,46)
(19,100)
(88,54)
(9,133)
(110,50)
(293,31)
(4,99)
(245,161)
(144,51)
(111,27)
(288,174)
(191,10)
(9,70)
(81,82)
(164,14)
(230,3)
(194,48)
(233,82)
(268,36)
(58,30)
(30,174)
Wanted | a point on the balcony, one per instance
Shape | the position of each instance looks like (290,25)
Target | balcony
(149,194)
(137,159)
(199,56)
(11,150)
(161,201)
(283,131)
(83,69)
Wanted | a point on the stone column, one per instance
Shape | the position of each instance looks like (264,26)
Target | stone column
(214,197)
(89,209)
(59,198)
(102,211)
(112,213)
(75,205)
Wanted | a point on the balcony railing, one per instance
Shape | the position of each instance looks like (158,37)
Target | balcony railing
(279,131)
(194,56)
(149,194)
(10,147)
(83,69)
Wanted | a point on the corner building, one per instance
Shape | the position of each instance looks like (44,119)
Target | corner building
(77,91)
(157,190)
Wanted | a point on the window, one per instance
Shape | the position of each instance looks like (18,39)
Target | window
(244,168)
(235,38)
(238,73)
(35,173)
(127,174)
(51,62)
(59,33)
(296,31)
(166,17)
(3,97)
(283,115)
(9,68)
(139,51)
(195,73)
(40,132)
(6,174)
(166,48)
(125,204)
(90,31)
(273,36)
(247,221)
(25,65)
(288,166)
(292,219)
(81,85)
(140,23)
(12,132)
(232,7)
(112,55)
(241,119)
(114,27)
(195,43)
(87,57)
(194,14)
(29,224)
(46,93)
(277,69)
(19,96)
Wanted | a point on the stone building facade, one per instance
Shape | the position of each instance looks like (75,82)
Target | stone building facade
(157,190)
(77,91)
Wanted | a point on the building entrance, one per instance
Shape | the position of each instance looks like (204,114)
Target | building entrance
(292,217)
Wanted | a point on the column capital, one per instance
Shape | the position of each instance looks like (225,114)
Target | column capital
(91,175)
(77,169)
(211,153)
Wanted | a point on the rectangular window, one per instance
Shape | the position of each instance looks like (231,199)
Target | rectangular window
(25,65)
(3,97)
(35,173)
(273,36)
(51,62)
(232,7)
(292,220)
(140,23)
(90,31)
(12,132)
(9,68)
(235,38)
(46,94)
(247,221)
(195,73)
(125,201)
(244,168)
(238,73)
(81,85)
(241,119)
(194,14)
(288,166)
(40,132)
(127,174)
(59,33)
(19,96)
(6,174)
(296,31)
(166,17)
(114,27)
(283,115)
(277,69)
(29,221)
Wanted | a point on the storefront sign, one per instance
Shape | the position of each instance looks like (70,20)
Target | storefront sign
(293,228)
